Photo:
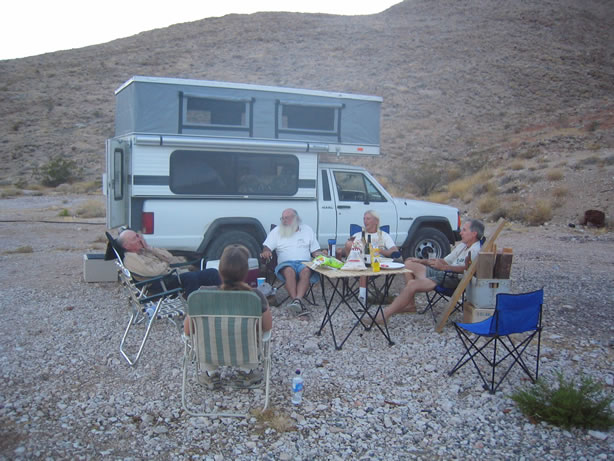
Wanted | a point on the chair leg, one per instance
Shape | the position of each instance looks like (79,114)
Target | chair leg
(133,320)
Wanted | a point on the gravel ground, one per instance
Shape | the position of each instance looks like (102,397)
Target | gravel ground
(67,394)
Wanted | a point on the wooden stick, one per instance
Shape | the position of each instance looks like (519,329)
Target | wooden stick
(490,242)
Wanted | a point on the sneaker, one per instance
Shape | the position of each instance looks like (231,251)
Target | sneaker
(296,306)
(210,381)
(248,380)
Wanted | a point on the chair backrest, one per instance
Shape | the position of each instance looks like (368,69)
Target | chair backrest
(516,313)
(226,327)
(355,228)
(114,249)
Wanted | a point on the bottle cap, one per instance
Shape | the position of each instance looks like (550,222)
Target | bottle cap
(298,372)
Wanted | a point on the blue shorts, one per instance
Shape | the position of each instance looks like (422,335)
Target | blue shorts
(297,266)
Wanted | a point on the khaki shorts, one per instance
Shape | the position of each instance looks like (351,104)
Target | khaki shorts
(449,280)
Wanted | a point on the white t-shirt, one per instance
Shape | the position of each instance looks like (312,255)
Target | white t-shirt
(459,254)
(386,242)
(297,247)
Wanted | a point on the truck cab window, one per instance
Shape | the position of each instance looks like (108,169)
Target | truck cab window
(356,187)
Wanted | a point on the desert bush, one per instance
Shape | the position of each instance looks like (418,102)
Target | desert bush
(23,249)
(426,179)
(539,213)
(560,192)
(517,165)
(511,212)
(439,197)
(7,192)
(567,404)
(488,204)
(64,213)
(530,153)
(534,178)
(554,175)
(58,171)
(87,187)
(91,209)
(453,173)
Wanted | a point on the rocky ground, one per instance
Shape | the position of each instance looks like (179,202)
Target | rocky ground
(66,393)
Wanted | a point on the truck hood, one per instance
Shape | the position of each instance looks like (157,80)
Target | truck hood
(411,209)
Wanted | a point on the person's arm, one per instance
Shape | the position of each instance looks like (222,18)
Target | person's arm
(267,320)
(145,267)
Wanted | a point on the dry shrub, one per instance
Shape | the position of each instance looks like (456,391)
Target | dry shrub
(270,418)
(517,165)
(439,197)
(511,212)
(460,188)
(23,249)
(539,213)
(488,204)
(555,175)
(7,192)
(560,192)
(91,209)
(534,178)
(87,187)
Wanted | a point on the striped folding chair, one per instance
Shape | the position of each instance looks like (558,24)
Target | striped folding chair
(225,330)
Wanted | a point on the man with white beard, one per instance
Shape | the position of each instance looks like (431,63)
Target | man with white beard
(294,242)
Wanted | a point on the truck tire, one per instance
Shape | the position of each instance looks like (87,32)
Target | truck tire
(427,239)
(215,249)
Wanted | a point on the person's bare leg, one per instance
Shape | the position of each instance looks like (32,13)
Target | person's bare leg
(417,270)
(405,302)
(303,283)
(290,277)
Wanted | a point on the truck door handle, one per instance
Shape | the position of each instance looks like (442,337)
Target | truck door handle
(343,206)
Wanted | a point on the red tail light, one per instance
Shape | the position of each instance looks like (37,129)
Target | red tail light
(147,222)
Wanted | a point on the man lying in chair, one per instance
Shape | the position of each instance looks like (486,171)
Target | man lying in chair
(295,242)
(144,262)
(428,273)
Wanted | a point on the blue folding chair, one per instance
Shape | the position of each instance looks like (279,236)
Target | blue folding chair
(514,314)
(355,228)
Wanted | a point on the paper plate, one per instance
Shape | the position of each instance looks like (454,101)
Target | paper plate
(392,265)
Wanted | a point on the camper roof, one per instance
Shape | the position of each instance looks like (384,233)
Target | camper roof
(246,86)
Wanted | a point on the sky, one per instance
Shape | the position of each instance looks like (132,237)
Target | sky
(32,27)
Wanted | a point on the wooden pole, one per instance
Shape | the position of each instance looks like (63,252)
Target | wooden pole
(488,246)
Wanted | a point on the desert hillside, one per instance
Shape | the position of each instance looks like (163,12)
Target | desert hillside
(513,101)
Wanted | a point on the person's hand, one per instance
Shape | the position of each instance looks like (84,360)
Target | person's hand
(438,264)
(266,254)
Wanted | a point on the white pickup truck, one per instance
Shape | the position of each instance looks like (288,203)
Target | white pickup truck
(198,165)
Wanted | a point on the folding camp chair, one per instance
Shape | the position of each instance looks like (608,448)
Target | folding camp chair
(145,304)
(441,292)
(514,314)
(271,278)
(225,330)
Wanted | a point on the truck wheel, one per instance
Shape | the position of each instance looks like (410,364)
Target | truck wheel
(427,240)
(215,249)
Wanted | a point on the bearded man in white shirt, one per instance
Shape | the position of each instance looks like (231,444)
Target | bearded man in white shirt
(294,242)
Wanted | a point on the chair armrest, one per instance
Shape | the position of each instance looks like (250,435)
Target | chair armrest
(162,294)
(266,336)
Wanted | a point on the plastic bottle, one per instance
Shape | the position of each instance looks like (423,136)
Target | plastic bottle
(297,388)
(375,264)
(150,311)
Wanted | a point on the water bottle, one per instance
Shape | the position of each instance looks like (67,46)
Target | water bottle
(297,388)
(150,311)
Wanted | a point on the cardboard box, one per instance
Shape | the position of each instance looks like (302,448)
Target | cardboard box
(252,274)
(482,293)
(96,269)
(472,314)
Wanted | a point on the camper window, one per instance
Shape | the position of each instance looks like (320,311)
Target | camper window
(313,118)
(205,112)
(233,173)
